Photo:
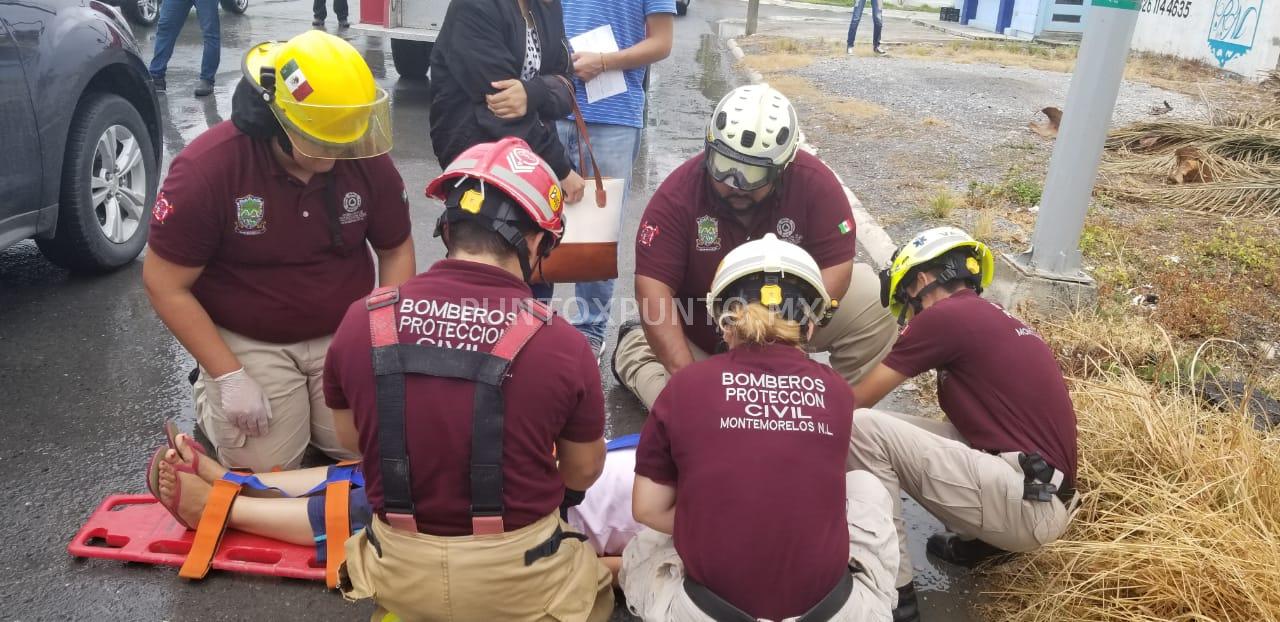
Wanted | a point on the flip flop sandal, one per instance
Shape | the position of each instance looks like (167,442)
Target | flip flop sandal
(153,485)
(171,433)
(251,486)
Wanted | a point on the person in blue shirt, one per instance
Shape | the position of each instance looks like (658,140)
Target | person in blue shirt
(643,30)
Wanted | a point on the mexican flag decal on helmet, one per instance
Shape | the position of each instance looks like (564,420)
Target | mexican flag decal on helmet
(295,80)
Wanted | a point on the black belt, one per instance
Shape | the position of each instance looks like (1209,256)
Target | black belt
(721,611)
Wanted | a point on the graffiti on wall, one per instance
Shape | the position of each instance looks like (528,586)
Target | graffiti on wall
(1234,28)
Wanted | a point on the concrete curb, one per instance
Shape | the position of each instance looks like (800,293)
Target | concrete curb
(874,239)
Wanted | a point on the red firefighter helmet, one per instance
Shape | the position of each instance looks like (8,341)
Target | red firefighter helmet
(512,167)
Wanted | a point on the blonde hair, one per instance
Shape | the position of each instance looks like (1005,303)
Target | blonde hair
(755,324)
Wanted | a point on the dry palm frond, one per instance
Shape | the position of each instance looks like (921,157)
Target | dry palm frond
(1257,143)
(1272,82)
(1238,197)
(1179,517)
(1230,167)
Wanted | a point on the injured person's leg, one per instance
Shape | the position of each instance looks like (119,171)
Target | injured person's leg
(293,483)
(184,490)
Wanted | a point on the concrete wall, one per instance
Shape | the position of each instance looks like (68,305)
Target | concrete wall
(1242,36)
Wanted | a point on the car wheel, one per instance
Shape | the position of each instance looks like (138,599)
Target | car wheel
(236,6)
(411,58)
(682,8)
(109,177)
(141,12)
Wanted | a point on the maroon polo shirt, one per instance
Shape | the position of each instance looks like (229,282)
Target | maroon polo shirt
(271,271)
(552,392)
(686,231)
(998,382)
(754,441)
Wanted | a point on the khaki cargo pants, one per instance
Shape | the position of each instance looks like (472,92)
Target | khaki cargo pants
(422,577)
(652,574)
(973,493)
(859,335)
(291,377)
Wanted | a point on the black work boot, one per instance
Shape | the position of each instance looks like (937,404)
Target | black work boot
(951,548)
(908,609)
(624,329)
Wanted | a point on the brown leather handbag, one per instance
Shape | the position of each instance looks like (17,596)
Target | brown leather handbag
(589,249)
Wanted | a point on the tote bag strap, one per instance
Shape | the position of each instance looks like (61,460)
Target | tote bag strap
(584,145)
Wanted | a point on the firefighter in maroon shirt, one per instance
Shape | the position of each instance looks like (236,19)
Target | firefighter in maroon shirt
(260,239)
(751,180)
(1000,472)
(742,460)
(455,388)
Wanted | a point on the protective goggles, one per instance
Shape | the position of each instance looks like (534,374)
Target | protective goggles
(738,171)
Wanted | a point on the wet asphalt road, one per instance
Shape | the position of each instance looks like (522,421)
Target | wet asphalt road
(87,372)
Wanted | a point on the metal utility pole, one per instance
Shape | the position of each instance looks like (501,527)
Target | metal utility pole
(1091,100)
(753,12)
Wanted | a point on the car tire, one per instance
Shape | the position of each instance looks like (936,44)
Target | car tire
(236,6)
(411,58)
(682,8)
(141,12)
(102,122)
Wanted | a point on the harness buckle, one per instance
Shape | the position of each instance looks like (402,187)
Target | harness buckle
(382,297)
(486,525)
(404,522)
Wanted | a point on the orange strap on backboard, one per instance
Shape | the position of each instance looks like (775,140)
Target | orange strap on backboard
(213,523)
(337,526)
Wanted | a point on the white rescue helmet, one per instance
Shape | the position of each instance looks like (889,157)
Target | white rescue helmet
(752,137)
(776,274)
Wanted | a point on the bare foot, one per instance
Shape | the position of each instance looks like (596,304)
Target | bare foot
(209,469)
(195,491)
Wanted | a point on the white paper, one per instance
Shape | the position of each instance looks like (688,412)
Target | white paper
(600,41)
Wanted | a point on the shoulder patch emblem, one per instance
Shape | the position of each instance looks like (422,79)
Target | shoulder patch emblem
(647,234)
(251,217)
(162,208)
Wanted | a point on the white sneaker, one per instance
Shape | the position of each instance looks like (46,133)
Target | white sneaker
(849,51)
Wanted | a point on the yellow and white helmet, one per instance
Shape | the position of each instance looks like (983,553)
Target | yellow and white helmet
(776,274)
(752,137)
(933,249)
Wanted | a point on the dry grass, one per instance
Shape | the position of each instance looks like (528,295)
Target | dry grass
(766,63)
(940,205)
(849,106)
(1180,512)
(1035,56)
(846,111)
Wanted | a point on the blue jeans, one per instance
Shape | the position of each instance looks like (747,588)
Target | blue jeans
(615,147)
(877,19)
(173,15)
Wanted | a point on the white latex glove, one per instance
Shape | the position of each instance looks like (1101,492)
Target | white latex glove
(243,403)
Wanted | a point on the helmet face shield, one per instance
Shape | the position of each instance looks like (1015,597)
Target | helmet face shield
(727,166)
(337,132)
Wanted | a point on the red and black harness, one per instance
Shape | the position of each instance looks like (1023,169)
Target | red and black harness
(392,360)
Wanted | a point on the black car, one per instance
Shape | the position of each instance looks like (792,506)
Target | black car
(79,133)
(146,12)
